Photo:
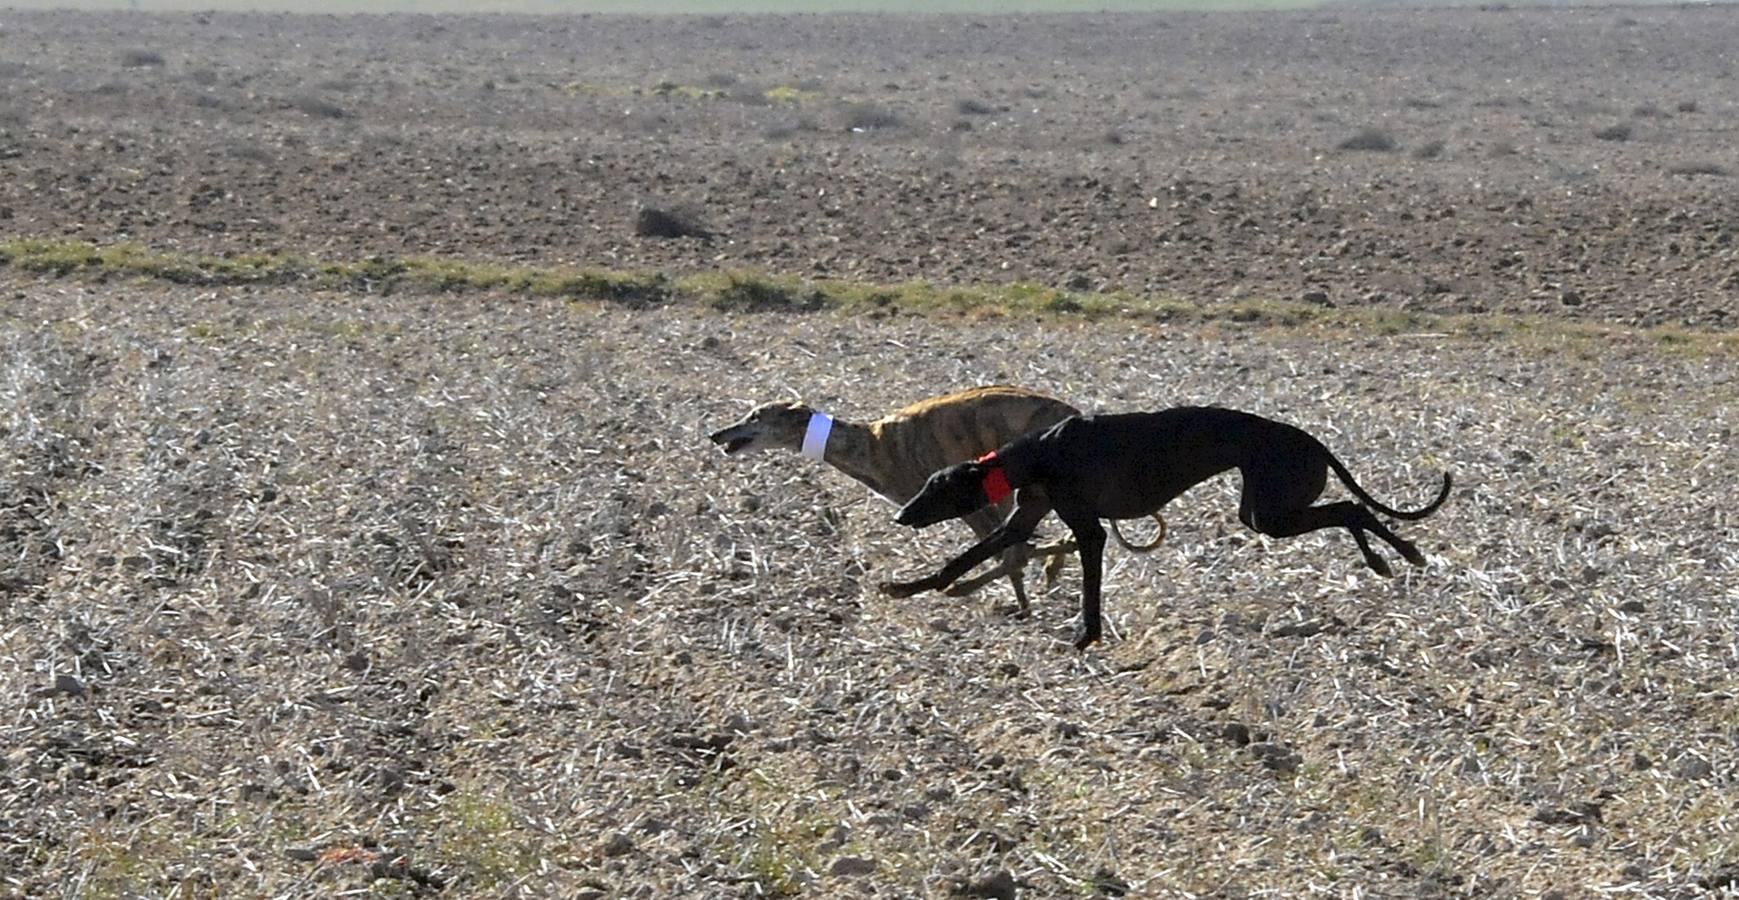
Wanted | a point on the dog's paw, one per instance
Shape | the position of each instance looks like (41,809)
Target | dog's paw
(898,589)
(1412,554)
(1086,637)
(1380,566)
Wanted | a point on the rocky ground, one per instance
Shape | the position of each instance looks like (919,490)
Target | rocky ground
(306,592)
(1572,161)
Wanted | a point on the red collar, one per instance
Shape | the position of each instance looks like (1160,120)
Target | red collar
(996,480)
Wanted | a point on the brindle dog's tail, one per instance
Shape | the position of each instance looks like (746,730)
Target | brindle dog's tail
(1414,515)
(1158,536)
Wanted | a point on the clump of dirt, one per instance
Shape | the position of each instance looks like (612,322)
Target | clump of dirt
(656,222)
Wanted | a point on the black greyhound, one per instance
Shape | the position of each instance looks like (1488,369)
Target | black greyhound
(1126,466)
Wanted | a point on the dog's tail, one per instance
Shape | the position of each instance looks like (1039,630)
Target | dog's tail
(1158,537)
(1346,478)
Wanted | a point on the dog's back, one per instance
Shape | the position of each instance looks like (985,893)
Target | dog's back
(941,431)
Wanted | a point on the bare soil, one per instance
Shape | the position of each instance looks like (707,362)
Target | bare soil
(304,593)
(1566,161)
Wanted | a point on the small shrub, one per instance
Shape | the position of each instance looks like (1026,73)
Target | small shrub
(752,293)
(1647,111)
(1421,103)
(1428,150)
(653,222)
(1619,132)
(1698,167)
(249,151)
(869,117)
(971,107)
(721,80)
(1373,140)
(1687,106)
(141,59)
(317,108)
(778,131)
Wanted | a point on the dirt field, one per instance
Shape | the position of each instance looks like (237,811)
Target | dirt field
(305,592)
(1193,155)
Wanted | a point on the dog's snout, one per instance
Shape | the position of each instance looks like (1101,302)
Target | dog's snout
(718,437)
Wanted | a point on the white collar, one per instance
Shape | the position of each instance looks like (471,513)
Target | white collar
(815,436)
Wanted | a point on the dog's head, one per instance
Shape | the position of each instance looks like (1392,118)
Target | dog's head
(777,425)
(955,491)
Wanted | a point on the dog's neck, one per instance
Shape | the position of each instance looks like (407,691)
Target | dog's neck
(851,450)
(1016,459)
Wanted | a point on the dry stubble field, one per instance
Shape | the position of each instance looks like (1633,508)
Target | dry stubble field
(307,591)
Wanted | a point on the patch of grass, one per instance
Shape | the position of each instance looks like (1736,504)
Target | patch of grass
(480,836)
(747,291)
(686,91)
(785,93)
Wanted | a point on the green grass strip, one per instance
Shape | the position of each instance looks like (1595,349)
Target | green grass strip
(743,291)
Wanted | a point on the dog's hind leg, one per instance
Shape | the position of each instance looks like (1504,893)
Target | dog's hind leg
(1344,514)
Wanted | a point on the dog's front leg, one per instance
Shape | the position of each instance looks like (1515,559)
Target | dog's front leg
(1017,528)
(1091,537)
(999,540)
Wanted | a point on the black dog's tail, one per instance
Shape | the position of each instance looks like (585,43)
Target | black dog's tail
(1346,478)
(1158,536)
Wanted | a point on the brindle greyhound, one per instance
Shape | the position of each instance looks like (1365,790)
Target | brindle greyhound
(1121,466)
(894,454)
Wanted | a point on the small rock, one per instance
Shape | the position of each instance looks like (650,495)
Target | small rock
(1692,768)
(852,865)
(1275,756)
(1108,884)
(69,684)
(619,844)
(302,854)
(1571,298)
(998,885)
(1632,606)
(1298,629)
(1320,298)
(1236,732)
